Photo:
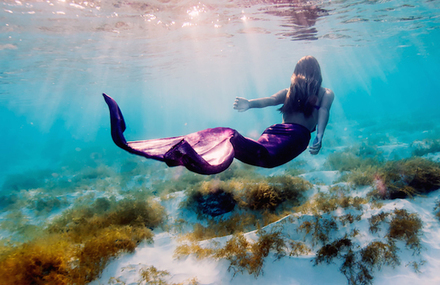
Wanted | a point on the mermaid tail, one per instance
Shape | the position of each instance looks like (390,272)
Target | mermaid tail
(205,152)
(212,150)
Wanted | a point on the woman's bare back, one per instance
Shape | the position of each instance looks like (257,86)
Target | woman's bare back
(311,121)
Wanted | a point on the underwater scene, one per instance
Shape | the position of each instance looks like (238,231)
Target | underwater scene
(77,209)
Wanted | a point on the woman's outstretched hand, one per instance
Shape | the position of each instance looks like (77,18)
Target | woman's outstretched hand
(241,104)
(316,147)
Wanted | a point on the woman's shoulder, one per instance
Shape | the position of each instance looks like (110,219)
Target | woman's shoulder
(327,92)
(327,97)
(324,93)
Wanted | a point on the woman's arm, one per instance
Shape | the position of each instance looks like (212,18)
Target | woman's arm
(323,116)
(242,104)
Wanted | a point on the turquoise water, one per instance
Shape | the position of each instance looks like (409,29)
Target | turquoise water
(176,66)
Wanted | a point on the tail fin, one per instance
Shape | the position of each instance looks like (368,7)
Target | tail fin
(117,122)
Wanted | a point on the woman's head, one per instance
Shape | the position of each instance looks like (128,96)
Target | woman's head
(308,67)
(304,88)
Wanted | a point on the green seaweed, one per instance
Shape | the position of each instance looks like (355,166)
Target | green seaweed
(376,220)
(407,178)
(352,158)
(363,176)
(298,248)
(246,256)
(76,247)
(331,250)
(336,197)
(105,213)
(349,218)
(259,201)
(27,180)
(242,254)
(425,146)
(319,228)
(262,194)
(151,275)
(437,209)
(407,227)
(377,254)
(359,266)
(416,265)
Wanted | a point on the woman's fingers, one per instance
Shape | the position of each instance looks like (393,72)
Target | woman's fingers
(315,148)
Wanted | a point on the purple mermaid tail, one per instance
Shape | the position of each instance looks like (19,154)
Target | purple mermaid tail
(212,150)
(205,152)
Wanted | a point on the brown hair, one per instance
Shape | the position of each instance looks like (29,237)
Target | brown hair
(304,88)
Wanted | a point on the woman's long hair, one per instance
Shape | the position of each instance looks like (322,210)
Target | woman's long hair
(304,88)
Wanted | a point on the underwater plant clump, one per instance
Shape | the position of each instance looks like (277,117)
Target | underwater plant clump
(24,181)
(201,198)
(44,203)
(349,218)
(363,176)
(77,246)
(193,248)
(407,227)
(255,202)
(56,259)
(407,178)
(242,221)
(291,189)
(246,256)
(218,227)
(256,194)
(402,226)
(337,196)
(377,254)
(19,226)
(376,220)
(152,275)
(358,266)
(50,182)
(331,250)
(98,250)
(262,196)
(215,203)
(426,146)
(269,194)
(416,265)
(319,228)
(437,209)
(106,212)
(352,158)
(243,255)
(298,248)
(45,261)
(360,263)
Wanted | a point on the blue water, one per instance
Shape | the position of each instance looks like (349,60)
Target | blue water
(176,66)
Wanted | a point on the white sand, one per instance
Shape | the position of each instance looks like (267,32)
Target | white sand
(290,270)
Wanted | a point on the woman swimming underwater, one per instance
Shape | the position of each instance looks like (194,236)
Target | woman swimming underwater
(306,107)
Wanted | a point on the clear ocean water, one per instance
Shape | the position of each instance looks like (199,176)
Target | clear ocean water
(175,67)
